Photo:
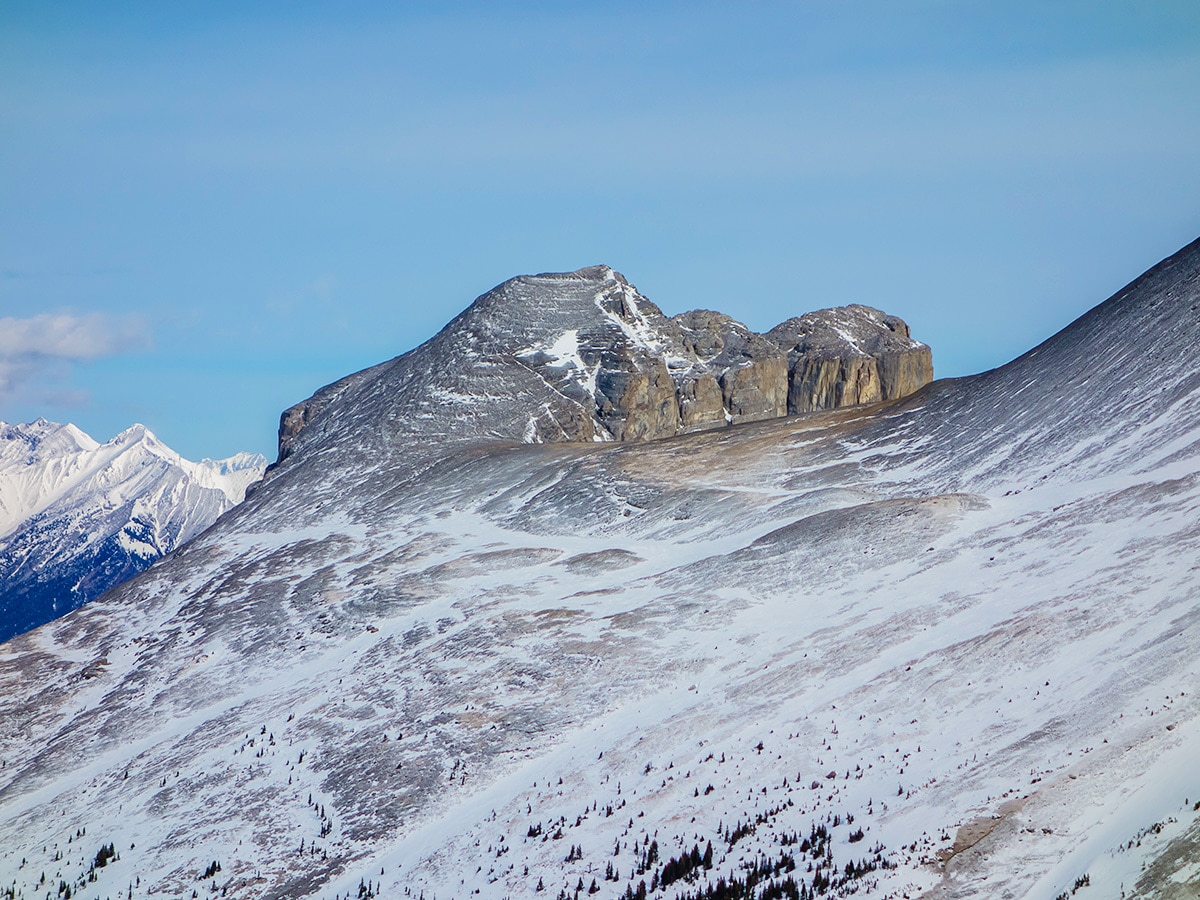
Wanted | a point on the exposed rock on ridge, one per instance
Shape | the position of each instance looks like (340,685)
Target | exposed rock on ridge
(850,355)
(583,356)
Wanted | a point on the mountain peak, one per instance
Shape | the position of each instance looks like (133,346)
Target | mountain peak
(583,356)
(133,434)
(586,273)
(41,436)
(239,462)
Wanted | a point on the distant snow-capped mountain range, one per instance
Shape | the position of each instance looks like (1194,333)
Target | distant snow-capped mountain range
(78,517)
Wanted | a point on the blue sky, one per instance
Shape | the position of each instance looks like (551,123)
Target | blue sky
(206,213)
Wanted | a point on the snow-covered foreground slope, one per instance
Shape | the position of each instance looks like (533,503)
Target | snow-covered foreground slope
(77,516)
(944,647)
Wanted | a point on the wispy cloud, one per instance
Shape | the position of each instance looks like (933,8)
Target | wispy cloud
(40,349)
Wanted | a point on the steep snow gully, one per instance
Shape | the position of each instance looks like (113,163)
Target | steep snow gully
(940,646)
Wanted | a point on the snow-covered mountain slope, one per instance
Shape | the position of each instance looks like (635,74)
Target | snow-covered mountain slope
(940,647)
(77,516)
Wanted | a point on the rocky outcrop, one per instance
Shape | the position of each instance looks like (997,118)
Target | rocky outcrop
(296,418)
(748,371)
(583,356)
(850,355)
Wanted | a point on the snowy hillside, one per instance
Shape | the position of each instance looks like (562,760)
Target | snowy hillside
(77,516)
(943,647)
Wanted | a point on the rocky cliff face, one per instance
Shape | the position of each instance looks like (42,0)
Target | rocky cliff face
(748,371)
(583,356)
(850,355)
